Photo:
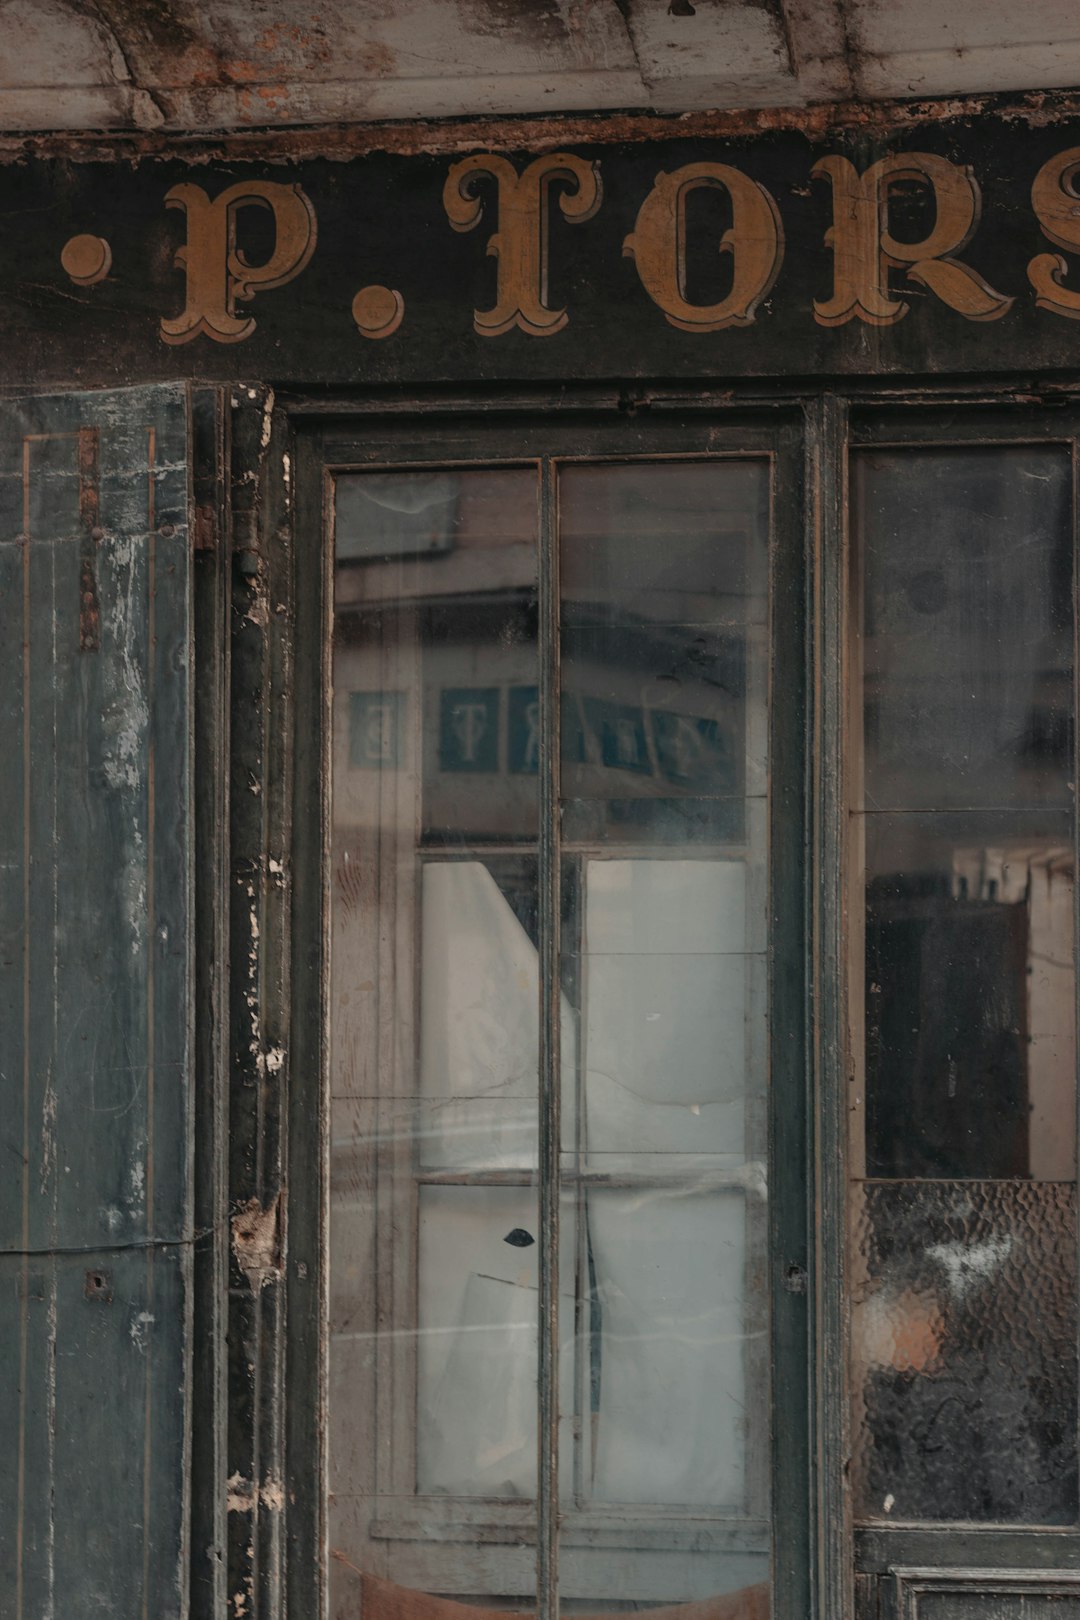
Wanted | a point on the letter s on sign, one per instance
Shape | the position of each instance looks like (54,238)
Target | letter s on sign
(755,240)
(1057,207)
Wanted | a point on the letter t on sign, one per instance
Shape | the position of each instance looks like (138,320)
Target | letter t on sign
(521,242)
(217,272)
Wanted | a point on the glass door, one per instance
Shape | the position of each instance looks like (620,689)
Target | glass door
(567,1229)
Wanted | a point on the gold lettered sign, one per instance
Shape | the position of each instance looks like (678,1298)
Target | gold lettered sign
(521,242)
(755,241)
(864,249)
(217,274)
(1057,207)
(511,206)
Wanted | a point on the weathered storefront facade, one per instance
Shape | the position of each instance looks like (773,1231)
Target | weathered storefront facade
(538,827)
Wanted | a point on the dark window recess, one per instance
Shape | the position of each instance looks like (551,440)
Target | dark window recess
(946,1043)
(964,1242)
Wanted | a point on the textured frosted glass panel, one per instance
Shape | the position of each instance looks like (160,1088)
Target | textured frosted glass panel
(964,1326)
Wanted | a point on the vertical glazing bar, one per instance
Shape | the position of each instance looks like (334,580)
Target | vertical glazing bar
(583,1300)
(827,537)
(547,1498)
(1075,645)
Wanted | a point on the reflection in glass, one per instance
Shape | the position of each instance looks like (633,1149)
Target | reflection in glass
(664,757)
(967,634)
(477,1292)
(479,1012)
(664,617)
(970,1020)
(434,1024)
(963,1252)
(662,1425)
(441,647)
(670,1312)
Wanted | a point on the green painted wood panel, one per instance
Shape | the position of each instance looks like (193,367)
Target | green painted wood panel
(95,1016)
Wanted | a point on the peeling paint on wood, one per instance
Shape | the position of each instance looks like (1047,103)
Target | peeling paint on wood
(256,1242)
(243,1495)
(95,1120)
(89,508)
(344,142)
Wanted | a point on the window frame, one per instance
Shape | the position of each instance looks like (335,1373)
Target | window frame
(416,436)
(835,1568)
(884,1552)
(260,617)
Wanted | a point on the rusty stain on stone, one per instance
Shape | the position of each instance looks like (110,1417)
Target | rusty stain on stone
(89,504)
(540,20)
(378,60)
(342,144)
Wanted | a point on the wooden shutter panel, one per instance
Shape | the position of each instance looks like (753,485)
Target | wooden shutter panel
(95,1022)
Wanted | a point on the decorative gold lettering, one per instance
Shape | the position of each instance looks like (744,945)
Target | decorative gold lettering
(521,243)
(378,311)
(87,259)
(755,240)
(864,249)
(217,274)
(1057,206)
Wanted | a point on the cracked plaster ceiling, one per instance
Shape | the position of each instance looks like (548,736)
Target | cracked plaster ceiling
(234,64)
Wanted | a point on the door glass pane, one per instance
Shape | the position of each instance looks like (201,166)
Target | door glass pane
(434,1036)
(963,1256)
(662,1393)
(664,604)
(664,759)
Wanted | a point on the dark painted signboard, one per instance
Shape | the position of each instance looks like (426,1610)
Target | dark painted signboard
(953,245)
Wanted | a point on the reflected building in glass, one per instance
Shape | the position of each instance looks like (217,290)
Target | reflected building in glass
(662,1422)
(964,1211)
